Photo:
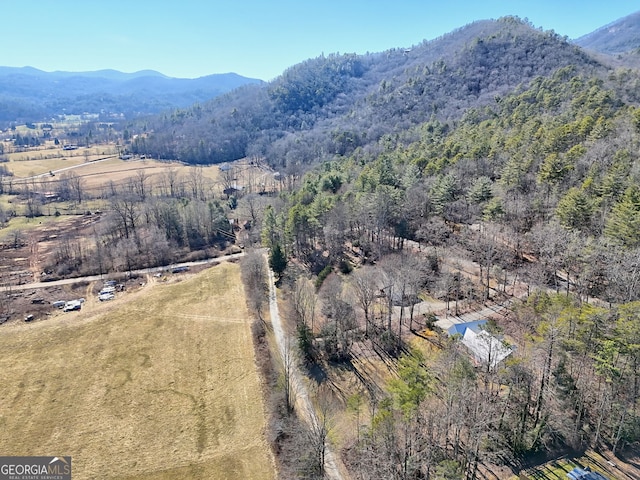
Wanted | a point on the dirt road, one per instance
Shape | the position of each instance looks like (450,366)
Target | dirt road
(144,271)
(303,401)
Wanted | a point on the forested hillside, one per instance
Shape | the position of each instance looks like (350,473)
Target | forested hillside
(335,104)
(621,36)
(550,175)
(498,165)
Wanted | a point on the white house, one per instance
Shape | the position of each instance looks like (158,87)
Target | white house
(485,348)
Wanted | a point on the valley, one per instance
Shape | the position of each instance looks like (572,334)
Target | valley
(422,263)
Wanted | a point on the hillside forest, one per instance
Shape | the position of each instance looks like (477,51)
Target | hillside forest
(548,177)
(536,185)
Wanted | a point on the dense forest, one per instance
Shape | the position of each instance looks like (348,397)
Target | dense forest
(549,173)
(334,104)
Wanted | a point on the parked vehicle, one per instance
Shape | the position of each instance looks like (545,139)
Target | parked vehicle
(72,305)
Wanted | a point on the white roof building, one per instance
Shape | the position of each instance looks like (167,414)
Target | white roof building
(485,348)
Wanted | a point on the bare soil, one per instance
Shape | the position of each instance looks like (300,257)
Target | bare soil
(23,262)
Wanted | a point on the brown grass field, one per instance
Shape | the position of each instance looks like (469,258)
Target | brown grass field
(37,160)
(159,384)
(95,174)
(99,167)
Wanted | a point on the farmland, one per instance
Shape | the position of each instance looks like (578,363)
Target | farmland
(99,171)
(97,168)
(52,198)
(160,383)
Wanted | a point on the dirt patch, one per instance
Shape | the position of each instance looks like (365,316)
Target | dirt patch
(23,262)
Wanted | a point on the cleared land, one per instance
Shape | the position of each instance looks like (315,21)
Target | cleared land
(99,172)
(40,160)
(99,167)
(159,385)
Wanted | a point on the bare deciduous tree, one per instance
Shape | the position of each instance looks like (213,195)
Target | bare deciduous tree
(304,302)
(365,287)
(254,277)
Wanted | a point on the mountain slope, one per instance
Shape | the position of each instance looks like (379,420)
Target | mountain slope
(335,104)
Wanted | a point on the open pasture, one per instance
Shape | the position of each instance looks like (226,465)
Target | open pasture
(161,384)
(50,157)
(99,168)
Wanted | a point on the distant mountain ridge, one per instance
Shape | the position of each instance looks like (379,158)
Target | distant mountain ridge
(105,73)
(621,36)
(29,94)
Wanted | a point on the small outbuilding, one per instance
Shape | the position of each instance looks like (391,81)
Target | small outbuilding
(486,348)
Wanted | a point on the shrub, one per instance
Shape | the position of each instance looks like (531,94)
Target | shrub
(345,266)
(322,276)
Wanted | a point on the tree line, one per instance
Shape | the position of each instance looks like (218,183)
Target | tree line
(144,221)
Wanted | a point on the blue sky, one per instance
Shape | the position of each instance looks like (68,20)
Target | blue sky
(260,39)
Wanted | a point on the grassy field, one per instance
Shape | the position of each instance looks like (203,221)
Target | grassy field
(96,174)
(118,171)
(24,224)
(160,384)
(51,157)
(110,170)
